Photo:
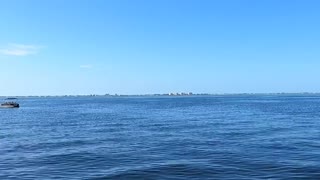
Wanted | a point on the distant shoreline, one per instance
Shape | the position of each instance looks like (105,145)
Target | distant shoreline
(163,95)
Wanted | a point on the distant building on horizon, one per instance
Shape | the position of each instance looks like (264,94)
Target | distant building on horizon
(181,94)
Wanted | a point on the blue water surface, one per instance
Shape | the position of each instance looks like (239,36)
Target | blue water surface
(201,137)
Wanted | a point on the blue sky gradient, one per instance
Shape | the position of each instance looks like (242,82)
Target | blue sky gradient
(159,46)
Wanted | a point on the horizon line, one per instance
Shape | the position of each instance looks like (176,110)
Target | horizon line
(162,94)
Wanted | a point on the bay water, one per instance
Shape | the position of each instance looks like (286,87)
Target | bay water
(196,137)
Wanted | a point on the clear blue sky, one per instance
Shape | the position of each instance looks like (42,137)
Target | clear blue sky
(159,46)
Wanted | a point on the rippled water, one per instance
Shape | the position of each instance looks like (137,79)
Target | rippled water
(214,137)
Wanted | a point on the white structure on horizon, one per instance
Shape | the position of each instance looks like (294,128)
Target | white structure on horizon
(181,94)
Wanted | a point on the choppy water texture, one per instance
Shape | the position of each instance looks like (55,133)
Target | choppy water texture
(214,137)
